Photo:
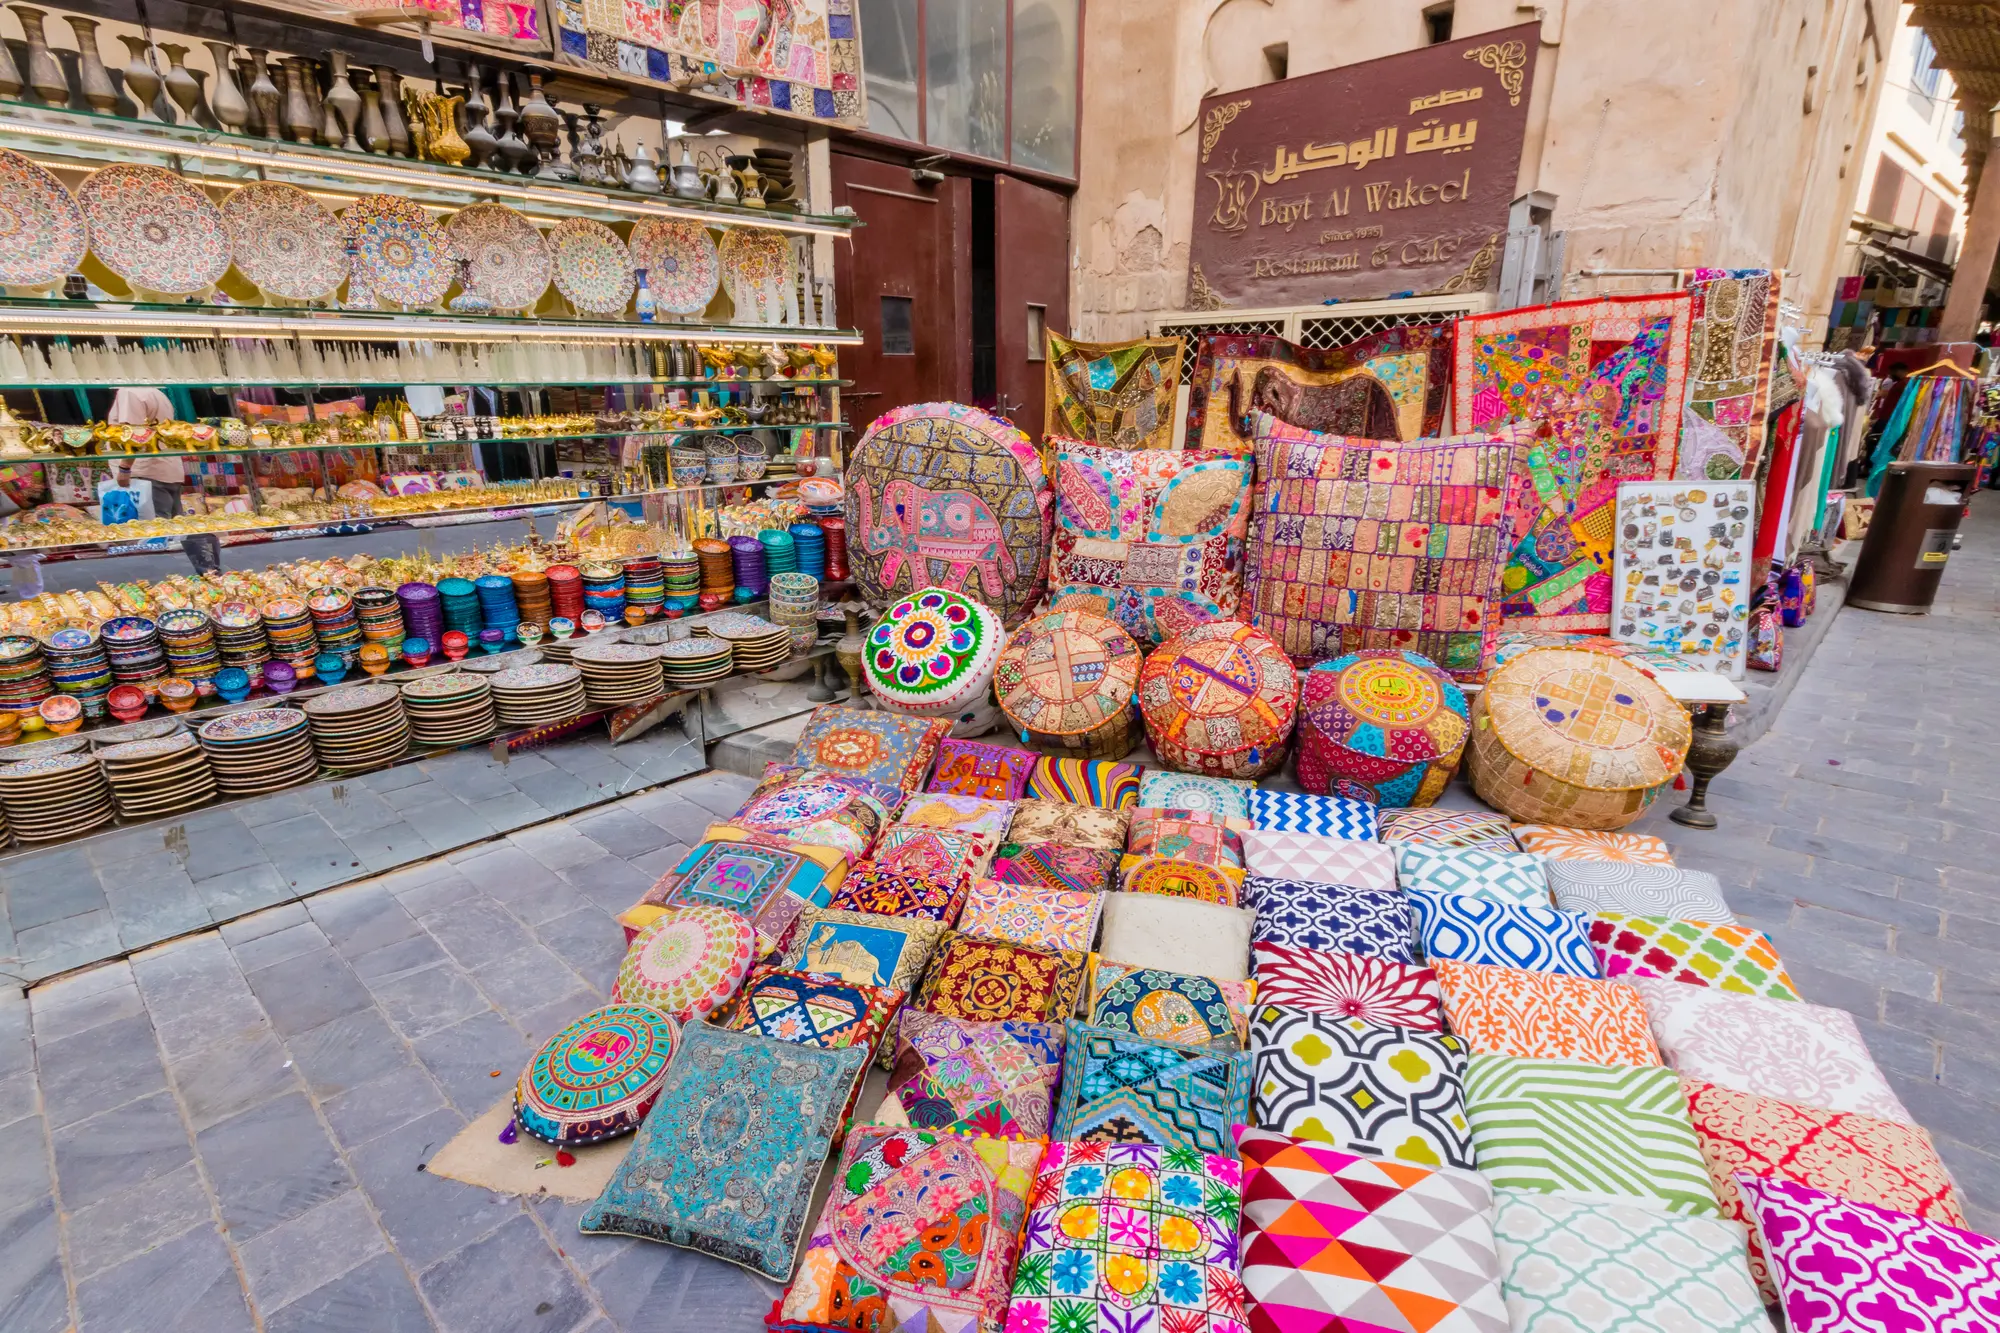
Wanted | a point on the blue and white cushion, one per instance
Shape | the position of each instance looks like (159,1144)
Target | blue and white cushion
(1509,877)
(1329,918)
(1299,812)
(1226,798)
(1466,929)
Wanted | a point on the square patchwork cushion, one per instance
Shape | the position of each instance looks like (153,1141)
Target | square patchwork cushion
(993,1079)
(1578,844)
(1120,1089)
(1700,953)
(1307,856)
(886,797)
(991,981)
(737,1186)
(1031,914)
(807,1010)
(1843,1266)
(1184,838)
(1508,877)
(1619,886)
(1099,782)
(978,768)
(1173,878)
(1593,1266)
(1337,1242)
(1448,828)
(1228,797)
(1324,816)
(1071,825)
(1126,1236)
(1054,865)
(934,853)
(1347,985)
(1330,918)
(1169,1006)
(766,881)
(827,809)
(1586,1130)
(919,1230)
(964,814)
(1483,930)
(893,893)
(1177,935)
(1377,1091)
(863,947)
(1776,1048)
(1859,1157)
(868,743)
(1545,1015)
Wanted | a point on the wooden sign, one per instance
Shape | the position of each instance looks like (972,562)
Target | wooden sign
(1389,177)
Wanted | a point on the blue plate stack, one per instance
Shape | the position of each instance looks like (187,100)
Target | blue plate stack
(459,600)
(79,666)
(809,549)
(133,645)
(780,555)
(497,606)
(604,590)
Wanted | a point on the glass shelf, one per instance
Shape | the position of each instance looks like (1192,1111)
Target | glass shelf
(236,450)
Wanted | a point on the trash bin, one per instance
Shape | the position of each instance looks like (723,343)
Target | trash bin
(1909,539)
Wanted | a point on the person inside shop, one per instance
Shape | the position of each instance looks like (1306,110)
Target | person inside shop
(167,476)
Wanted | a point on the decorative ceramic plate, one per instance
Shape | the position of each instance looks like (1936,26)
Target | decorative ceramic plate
(253,724)
(751,257)
(284,608)
(451,685)
(237,615)
(541,677)
(404,257)
(14,754)
(185,620)
(695,650)
(353,699)
(681,263)
(128,629)
(594,653)
(510,260)
(285,241)
(329,600)
(154,229)
(42,234)
(501,662)
(178,743)
(45,765)
(134,733)
(593,267)
(70,640)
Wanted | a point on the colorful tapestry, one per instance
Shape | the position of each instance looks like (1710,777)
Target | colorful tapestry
(1177,935)
(1072,825)
(934,853)
(863,947)
(1228,797)
(1122,1089)
(1582,844)
(1682,571)
(884,747)
(1486,930)
(1517,641)
(978,768)
(1152,538)
(1378,1091)
(1356,544)
(1380,726)
(1161,833)
(1322,816)
(1641,890)
(1604,382)
(1545,1016)
(1386,386)
(727,1159)
(1098,782)
(1556,1125)
(1448,828)
(1700,953)
(1173,878)
(1592,1266)
(1036,915)
(1321,860)
(895,893)
(1336,1240)
(1373,990)
(1114,395)
(1133,1237)
(1054,865)
(1219,699)
(768,884)
(1169,1006)
(965,814)
(1508,877)
(920,1231)
(1732,339)
(1331,918)
(688,962)
(940,495)
(990,981)
(997,1080)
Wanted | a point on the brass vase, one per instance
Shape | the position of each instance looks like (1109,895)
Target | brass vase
(93,80)
(45,76)
(232,109)
(142,83)
(440,120)
(342,100)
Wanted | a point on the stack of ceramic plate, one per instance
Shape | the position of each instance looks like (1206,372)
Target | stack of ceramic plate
(557,648)
(604,589)
(809,549)
(531,597)
(536,695)
(718,570)
(759,645)
(161,776)
(455,708)
(836,546)
(189,638)
(381,617)
(683,579)
(359,726)
(133,645)
(24,674)
(497,607)
(645,584)
(565,592)
(336,623)
(492,664)
(459,599)
(258,750)
(239,639)
(780,552)
(422,616)
(42,749)
(795,605)
(288,626)
(149,729)
(702,660)
(748,553)
(56,796)
(619,673)
(78,666)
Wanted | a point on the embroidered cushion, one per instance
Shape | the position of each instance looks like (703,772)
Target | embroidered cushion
(934,853)
(1699,953)
(863,947)
(1508,877)
(1382,725)
(1579,844)
(893,893)
(991,981)
(1231,823)
(1570,1128)
(1099,782)
(977,768)
(1054,865)
(1071,825)
(1169,1006)
(688,963)
(786,1004)
(1544,1015)
(1177,935)
(770,884)
(957,1076)
(1119,1089)
(964,814)
(597,1078)
(1322,816)
(1618,886)
(932,654)
(1159,833)
(824,808)
(1307,856)
(1485,930)
(884,747)
(885,796)
(1186,791)
(1219,698)
(1045,918)
(1374,990)
(1173,878)
(1378,1091)
(1448,828)
(1330,918)
(1065,682)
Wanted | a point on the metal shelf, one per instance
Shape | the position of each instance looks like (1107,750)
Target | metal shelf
(237,450)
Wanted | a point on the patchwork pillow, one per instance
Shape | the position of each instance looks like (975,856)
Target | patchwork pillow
(1618,886)
(1578,844)
(1336,1240)
(688,963)
(990,981)
(738,1186)
(893,893)
(1448,828)
(1157,833)
(1378,1091)
(1307,856)
(934,853)
(786,1004)
(1054,865)
(993,1079)
(869,743)
(1324,816)
(884,796)
(1374,990)
(1072,825)
(1186,791)
(1700,953)
(1169,1006)
(978,768)
(964,814)
(1177,935)
(1173,878)
(1593,1266)
(766,882)
(921,1228)
(1570,1128)
(1031,914)
(863,947)
(1508,877)
(1485,930)
(1230,823)
(1099,782)
(1776,1048)
(1544,1015)
(1329,918)
(817,808)
(1119,1090)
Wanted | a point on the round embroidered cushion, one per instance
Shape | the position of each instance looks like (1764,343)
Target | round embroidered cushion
(1066,681)
(597,1078)
(688,963)
(1220,698)
(932,655)
(1381,725)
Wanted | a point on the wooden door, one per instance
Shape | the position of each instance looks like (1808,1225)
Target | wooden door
(1030,293)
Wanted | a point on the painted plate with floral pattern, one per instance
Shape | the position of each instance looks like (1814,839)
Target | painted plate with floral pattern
(510,260)
(155,230)
(285,241)
(681,263)
(593,267)
(253,724)
(42,232)
(751,257)
(404,256)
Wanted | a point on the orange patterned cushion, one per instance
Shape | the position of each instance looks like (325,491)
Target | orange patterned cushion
(1579,844)
(1544,1015)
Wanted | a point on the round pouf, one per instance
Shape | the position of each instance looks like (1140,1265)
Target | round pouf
(1221,699)
(932,655)
(597,1078)
(1576,738)
(1065,681)
(1381,725)
(688,963)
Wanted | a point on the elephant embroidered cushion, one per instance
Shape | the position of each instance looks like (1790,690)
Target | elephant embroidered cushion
(1545,1015)
(1158,833)
(1308,856)
(934,853)
(1449,828)
(1508,877)
(1579,844)
(883,747)
(894,893)
(1700,953)
(1071,825)
(865,948)
(1346,985)
(977,768)
(766,881)
(1637,890)
(1486,930)
(1099,782)
(1169,1006)
(961,814)
(1330,918)
(1037,915)
(1120,1089)
(993,1079)
(1173,878)
(991,981)
(1054,865)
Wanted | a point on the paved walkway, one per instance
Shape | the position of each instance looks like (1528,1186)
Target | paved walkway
(227,1132)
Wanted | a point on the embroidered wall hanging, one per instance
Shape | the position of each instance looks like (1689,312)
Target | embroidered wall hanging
(1114,395)
(1386,386)
(1732,340)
